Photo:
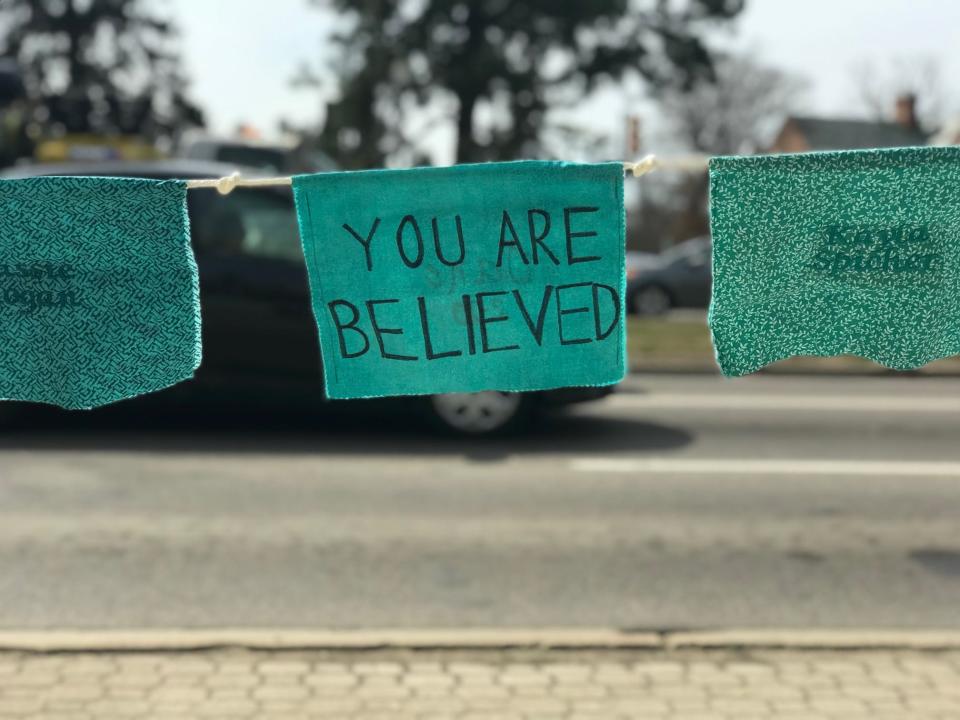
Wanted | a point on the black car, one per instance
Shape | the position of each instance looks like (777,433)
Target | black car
(680,278)
(258,326)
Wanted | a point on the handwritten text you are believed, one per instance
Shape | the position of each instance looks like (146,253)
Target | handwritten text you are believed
(488,321)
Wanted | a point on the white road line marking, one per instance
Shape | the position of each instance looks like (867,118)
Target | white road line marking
(841,403)
(723,466)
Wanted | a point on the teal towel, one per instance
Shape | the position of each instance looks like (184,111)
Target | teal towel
(501,276)
(832,253)
(98,289)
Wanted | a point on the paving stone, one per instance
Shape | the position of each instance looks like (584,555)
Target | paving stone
(293,692)
(463,668)
(188,664)
(226,708)
(380,668)
(659,668)
(579,691)
(120,708)
(30,679)
(233,681)
(739,707)
(88,667)
(86,691)
(432,679)
(481,691)
(331,679)
(276,667)
(178,693)
(686,686)
(338,707)
(10,707)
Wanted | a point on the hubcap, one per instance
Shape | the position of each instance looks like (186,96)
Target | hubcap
(652,301)
(477,412)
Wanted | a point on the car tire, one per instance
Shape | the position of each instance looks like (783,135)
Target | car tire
(481,413)
(11,415)
(651,300)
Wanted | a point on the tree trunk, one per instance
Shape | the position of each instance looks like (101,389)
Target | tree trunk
(466,146)
(74,39)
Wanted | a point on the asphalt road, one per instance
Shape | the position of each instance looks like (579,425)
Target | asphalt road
(682,502)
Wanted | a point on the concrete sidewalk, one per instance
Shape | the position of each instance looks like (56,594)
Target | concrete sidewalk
(473,684)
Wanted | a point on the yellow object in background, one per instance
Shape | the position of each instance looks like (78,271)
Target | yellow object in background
(94,147)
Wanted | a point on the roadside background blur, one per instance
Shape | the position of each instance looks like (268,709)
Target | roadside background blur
(314,85)
(818,495)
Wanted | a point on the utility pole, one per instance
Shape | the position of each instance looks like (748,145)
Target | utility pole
(633,137)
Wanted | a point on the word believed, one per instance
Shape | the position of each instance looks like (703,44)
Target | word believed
(477,321)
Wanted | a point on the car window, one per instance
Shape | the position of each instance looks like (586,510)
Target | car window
(699,259)
(267,159)
(692,254)
(247,222)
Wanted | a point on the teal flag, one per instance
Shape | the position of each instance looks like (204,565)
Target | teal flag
(834,253)
(98,289)
(501,276)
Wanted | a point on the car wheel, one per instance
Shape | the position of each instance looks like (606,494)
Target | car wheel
(479,413)
(10,415)
(651,300)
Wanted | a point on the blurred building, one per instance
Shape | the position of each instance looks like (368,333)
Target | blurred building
(949,134)
(805,133)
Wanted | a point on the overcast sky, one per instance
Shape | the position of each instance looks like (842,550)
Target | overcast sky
(241,54)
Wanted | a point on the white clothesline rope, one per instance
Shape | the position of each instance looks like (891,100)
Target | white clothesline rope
(226,184)
(676,163)
(681,163)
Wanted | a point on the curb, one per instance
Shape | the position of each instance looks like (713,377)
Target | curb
(473,639)
(788,639)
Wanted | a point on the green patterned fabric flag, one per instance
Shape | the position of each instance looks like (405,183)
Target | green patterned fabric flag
(98,289)
(832,253)
(501,276)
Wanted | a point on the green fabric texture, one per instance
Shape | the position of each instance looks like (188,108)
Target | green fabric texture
(836,253)
(98,289)
(499,276)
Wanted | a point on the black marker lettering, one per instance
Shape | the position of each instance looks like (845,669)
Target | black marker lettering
(427,344)
(379,332)
(536,239)
(436,243)
(483,321)
(571,311)
(571,258)
(505,223)
(468,318)
(351,325)
(365,243)
(410,220)
(535,329)
(615,296)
